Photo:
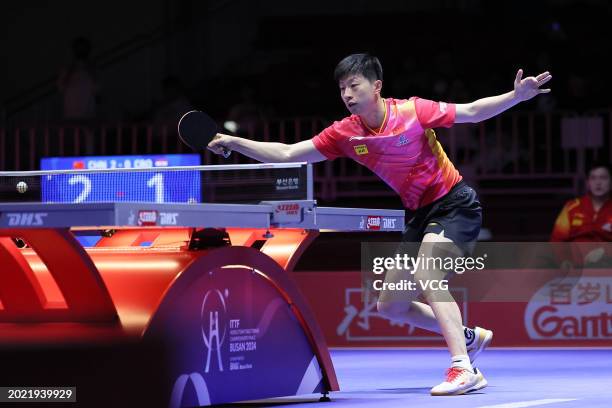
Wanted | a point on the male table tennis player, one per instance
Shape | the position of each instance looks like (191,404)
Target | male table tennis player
(393,138)
(586,219)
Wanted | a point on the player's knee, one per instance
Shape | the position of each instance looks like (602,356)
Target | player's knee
(392,310)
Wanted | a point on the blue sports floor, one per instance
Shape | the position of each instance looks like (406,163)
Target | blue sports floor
(517,378)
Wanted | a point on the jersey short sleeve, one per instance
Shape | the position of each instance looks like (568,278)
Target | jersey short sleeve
(561,229)
(327,142)
(433,114)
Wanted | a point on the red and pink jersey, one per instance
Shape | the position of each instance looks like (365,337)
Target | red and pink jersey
(405,153)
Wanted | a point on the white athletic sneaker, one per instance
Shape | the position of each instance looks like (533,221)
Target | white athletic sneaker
(482,382)
(459,381)
(481,342)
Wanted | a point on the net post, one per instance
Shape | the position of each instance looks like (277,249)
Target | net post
(309,182)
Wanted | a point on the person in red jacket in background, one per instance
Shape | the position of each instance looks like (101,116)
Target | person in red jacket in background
(587,219)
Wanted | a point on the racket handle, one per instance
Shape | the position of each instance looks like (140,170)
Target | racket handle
(226,153)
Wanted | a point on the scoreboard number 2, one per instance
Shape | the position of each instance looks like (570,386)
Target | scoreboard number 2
(86,182)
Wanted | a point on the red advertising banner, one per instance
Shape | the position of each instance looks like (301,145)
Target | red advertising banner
(563,312)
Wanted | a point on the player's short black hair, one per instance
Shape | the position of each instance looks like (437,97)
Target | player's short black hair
(596,164)
(364,64)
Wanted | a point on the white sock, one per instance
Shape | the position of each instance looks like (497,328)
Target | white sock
(462,361)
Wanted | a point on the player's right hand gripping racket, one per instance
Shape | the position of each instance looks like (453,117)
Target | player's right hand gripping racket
(196,129)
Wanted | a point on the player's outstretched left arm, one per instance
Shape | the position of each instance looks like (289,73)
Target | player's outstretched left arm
(267,152)
(485,108)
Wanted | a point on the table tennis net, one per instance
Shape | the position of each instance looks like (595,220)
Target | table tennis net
(159,185)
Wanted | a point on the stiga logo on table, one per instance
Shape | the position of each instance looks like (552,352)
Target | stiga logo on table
(571,309)
(287,209)
(373,223)
(147,218)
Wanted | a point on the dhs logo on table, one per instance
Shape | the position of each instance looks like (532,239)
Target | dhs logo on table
(26,219)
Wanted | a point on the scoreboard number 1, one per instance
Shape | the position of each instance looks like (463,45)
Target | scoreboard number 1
(157,181)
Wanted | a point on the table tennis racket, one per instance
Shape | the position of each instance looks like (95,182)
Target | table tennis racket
(196,129)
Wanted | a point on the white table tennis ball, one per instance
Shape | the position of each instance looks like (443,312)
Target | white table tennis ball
(22,187)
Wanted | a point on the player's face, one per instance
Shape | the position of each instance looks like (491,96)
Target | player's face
(599,182)
(359,93)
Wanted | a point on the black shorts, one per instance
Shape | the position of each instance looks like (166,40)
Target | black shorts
(458,213)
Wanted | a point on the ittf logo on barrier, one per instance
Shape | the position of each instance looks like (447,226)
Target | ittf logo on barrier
(214,327)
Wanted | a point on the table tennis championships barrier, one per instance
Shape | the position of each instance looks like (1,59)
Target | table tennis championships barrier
(182,303)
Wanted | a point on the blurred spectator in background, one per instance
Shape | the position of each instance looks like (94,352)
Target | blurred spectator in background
(411,80)
(458,92)
(587,220)
(77,83)
(578,94)
(547,103)
(245,114)
(174,102)
(167,111)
